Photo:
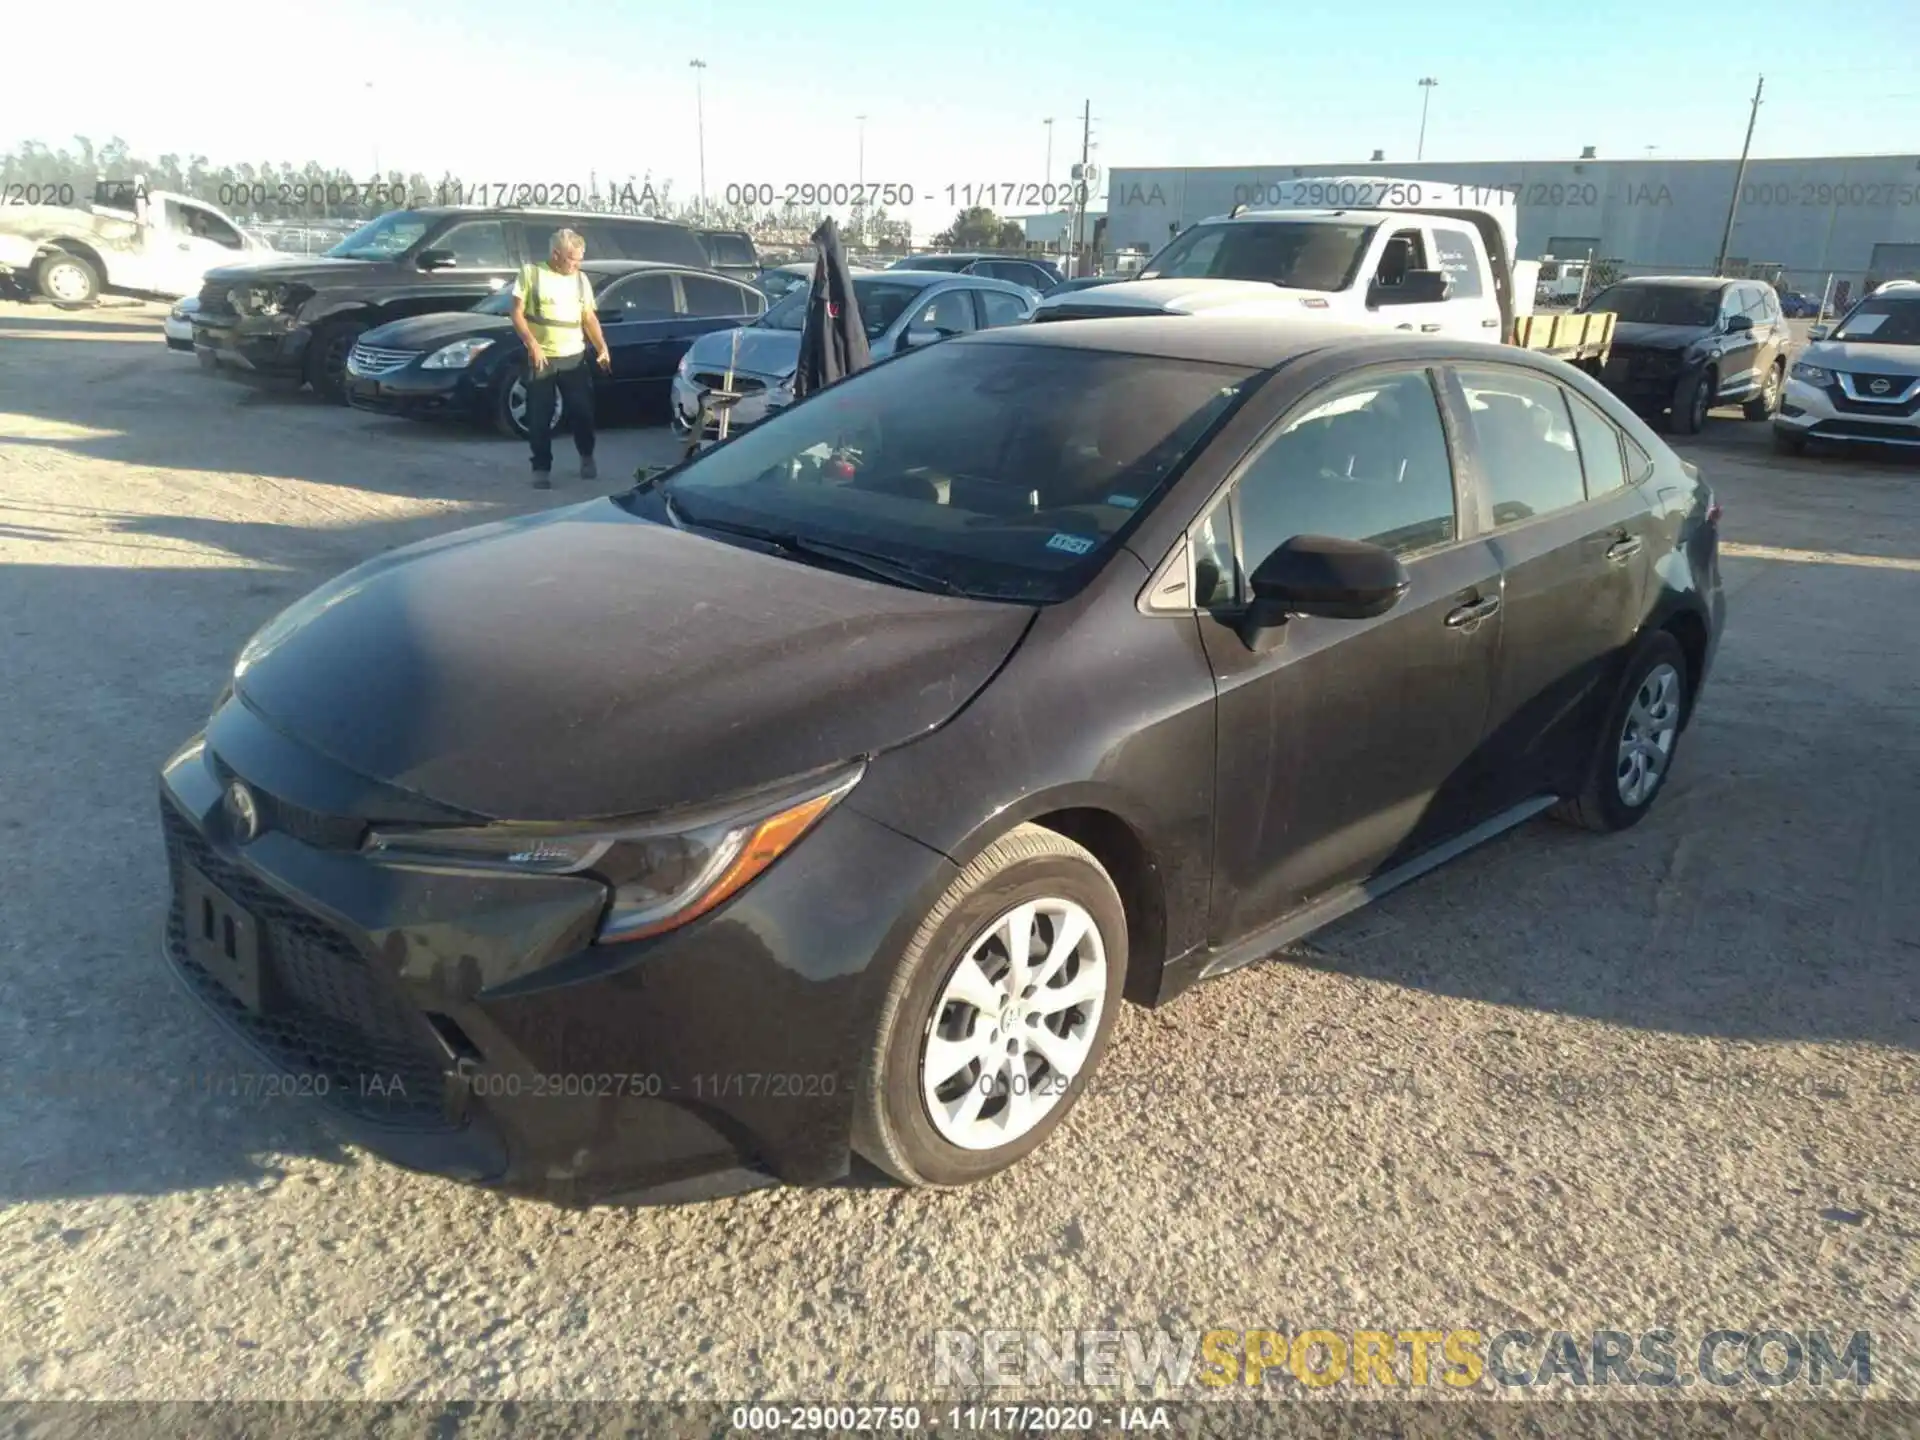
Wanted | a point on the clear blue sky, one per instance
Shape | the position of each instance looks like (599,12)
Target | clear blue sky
(957,93)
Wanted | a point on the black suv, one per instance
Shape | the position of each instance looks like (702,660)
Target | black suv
(1684,344)
(298,320)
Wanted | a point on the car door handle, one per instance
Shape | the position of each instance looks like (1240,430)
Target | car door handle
(1475,610)
(1430,327)
(1624,549)
(1407,326)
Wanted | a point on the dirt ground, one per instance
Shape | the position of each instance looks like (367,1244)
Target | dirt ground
(1566,1083)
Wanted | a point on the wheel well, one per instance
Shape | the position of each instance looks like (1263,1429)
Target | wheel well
(1115,845)
(1691,632)
(83,251)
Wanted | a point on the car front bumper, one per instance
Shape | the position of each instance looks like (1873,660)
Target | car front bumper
(1816,412)
(463,1024)
(416,392)
(270,347)
(750,409)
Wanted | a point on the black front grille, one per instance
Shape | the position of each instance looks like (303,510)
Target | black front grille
(1896,384)
(1866,430)
(329,1018)
(742,384)
(213,298)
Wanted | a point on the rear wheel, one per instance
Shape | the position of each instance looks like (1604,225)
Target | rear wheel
(1637,744)
(1691,401)
(69,281)
(1763,405)
(998,1013)
(327,358)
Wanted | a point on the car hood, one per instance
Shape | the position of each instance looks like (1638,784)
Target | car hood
(427,332)
(1863,355)
(584,663)
(763,351)
(1185,297)
(311,269)
(1642,336)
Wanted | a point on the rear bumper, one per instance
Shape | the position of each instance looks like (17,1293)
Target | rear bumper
(464,1025)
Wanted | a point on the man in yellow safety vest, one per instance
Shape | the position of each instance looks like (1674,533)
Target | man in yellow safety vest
(554,316)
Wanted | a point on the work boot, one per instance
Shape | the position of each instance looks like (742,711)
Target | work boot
(588,470)
(543,479)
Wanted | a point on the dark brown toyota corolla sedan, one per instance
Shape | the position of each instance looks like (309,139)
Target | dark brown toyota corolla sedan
(827,795)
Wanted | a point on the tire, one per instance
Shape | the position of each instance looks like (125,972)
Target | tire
(68,280)
(1764,405)
(894,1125)
(326,368)
(510,403)
(1656,673)
(1788,443)
(1691,401)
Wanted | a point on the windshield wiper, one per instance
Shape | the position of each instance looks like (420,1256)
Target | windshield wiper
(798,547)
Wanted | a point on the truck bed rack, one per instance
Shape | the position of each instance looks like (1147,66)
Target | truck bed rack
(1585,340)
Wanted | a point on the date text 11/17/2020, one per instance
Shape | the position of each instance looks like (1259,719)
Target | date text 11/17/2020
(879,194)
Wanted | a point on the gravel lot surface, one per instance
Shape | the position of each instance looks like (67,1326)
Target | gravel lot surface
(1566,1083)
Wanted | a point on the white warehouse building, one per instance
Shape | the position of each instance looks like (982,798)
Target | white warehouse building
(1856,218)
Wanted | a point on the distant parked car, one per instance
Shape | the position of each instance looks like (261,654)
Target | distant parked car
(1086,282)
(731,252)
(1859,381)
(1040,276)
(899,309)
(778,281)
(1683,345)
(179,324)
(1796,306)
(471,364)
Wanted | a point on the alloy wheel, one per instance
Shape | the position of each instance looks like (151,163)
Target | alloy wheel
(1647,735)
(65,281)
(517,406)
(1014,1024)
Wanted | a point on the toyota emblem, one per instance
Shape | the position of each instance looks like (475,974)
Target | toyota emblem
(243,815)
(1880,387)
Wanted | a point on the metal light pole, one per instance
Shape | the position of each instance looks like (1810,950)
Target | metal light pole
(700,119)
(1427,82)
(860,173)
(1046,176)
(1739,179)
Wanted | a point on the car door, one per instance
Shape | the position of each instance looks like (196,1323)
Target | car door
(1771,332)
(1406,249)
(197,239)
(1736,346)
(1342,748)
(1470,311)
(1571,538)
(640,317)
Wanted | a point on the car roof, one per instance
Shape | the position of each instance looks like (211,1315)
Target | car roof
(928,277)
(1683,282)
(628,267)
(536,212)
(1255,342)
(1311,217)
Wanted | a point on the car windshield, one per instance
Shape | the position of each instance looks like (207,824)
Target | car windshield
(383,238)
(1297,254)
(1882,320)
(1659,304)
(1007,471)
(881,303)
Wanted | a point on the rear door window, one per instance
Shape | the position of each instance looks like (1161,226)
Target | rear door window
(1455,256)
(476,245)
(1523,443)
(640,297)
(1001,308)
(1600,453)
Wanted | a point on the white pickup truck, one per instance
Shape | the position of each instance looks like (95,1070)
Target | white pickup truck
(150,242)
(1401,254)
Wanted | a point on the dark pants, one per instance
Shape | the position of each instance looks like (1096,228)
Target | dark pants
(573,378)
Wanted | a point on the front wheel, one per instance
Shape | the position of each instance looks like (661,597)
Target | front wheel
(997,1015)
(1637,743)
(327,359)
(67,280)
(1767,402)
(1691,401)
(510,406)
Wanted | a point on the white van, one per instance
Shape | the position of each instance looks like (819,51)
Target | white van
(1402,254)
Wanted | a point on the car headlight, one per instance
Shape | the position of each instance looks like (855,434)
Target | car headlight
(457,356)
(662,873)
(685,365)
(1812,374)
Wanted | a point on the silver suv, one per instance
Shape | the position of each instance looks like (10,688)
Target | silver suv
(1860,380)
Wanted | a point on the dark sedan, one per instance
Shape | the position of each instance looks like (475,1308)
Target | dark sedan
(471,364)
(826,795)
(1683,345)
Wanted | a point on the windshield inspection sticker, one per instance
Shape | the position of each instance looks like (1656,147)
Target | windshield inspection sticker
(1072,544)
(1123,502)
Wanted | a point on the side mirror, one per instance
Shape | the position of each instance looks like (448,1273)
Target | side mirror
(917,335)
(437,259)
(1818,332)
(1736,324)
(1323,576)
